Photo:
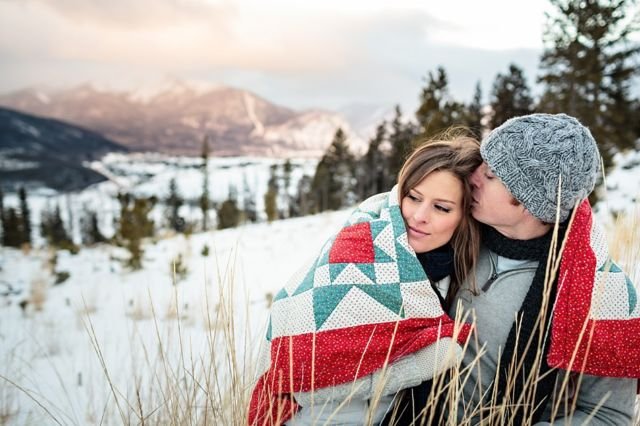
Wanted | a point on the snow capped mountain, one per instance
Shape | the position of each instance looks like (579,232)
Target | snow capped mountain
(148,91)
(307,132)
(365,118)
(175,116)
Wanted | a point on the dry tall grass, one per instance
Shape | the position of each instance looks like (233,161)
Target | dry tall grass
(506,410)
(213,387)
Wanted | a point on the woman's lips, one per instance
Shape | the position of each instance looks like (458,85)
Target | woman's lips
(416,232)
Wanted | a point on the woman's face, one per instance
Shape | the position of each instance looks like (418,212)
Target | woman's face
(432,210)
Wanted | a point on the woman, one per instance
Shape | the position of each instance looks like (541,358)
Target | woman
(367,317)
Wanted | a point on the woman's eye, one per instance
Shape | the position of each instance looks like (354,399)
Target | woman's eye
(412,197)
(443,209)
(488,176)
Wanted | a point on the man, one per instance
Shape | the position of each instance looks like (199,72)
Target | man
(537,169)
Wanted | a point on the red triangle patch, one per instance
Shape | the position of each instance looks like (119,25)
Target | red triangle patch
(354,244)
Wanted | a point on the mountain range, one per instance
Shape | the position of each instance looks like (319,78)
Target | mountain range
(36,151)
(175,117)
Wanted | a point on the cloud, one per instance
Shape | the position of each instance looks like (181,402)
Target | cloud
(139,14)
(161,35)
(298,53)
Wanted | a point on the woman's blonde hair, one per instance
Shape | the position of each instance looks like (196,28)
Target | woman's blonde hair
(456,152)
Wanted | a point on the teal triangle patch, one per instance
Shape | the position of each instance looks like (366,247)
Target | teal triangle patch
(269,331)
(307,282)
(397,222)
(335,269)
(377,226)
(388,295)
(409,267)
(381,256)
(325,300)
(324,258)
(368,269)
(282,294)
(614,267)
(609,266)
(633,296)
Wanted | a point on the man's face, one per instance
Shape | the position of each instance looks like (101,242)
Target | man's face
(493,204)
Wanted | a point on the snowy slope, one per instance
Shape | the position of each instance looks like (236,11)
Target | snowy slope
(49,351)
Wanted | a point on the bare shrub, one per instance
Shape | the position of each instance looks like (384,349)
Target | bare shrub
(38,293)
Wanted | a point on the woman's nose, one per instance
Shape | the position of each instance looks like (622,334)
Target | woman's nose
(422,214)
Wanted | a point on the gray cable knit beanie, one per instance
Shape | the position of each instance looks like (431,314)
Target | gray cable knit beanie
(529,154)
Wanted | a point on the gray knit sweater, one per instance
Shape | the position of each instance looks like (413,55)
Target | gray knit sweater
(504,284)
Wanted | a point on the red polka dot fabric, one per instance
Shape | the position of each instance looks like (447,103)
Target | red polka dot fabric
(596,321)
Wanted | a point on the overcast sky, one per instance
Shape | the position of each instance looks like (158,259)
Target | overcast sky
(298,53)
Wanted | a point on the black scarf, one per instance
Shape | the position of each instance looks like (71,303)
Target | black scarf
(536,249)
(437,264)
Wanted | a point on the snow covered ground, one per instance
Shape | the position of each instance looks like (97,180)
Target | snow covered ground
(622,190)
(51,349)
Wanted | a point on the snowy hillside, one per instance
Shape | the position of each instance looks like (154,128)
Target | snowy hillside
(48,347)
(622,184)
(49,351)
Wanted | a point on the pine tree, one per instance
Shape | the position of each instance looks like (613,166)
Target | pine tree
(53,229)
(25,217)
(2,214)
(438,111)
(371,167)
(12,235)
(287,168)
(91,233)
(174,201)
(141,209)
(588,67)
(303,200)
(271,196)
(228,214)
(205,203)
(400,139)
(134,225)
(636,128)
(510,97)
(333,183)
(249,202)
(473,114)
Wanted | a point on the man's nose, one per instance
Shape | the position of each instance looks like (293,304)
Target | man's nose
(475,178)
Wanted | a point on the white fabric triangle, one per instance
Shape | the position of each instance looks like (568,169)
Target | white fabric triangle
(370,312)
(384,241)
(293,316)
(352,275)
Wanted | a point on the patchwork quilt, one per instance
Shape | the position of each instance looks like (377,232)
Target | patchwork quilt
(363,302)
